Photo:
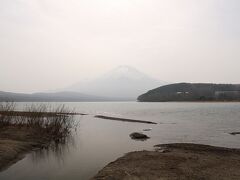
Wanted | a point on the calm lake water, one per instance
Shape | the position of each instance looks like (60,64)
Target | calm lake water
(97,142)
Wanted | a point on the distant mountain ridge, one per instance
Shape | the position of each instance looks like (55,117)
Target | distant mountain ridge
(48,97)
(193,92)
(123,82)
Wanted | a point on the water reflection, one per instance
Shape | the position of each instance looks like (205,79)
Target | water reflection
(58,149)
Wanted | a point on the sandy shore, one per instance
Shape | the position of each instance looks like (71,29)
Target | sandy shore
(16,142)
(174,162)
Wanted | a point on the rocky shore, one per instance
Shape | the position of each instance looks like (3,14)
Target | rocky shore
(174,162)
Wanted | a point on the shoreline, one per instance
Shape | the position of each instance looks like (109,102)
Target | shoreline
(16,142)
(46,114)
(189,101)
(175,161)
(32,129)
(167,161)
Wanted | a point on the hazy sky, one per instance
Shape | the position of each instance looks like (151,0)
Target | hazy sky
(50,44)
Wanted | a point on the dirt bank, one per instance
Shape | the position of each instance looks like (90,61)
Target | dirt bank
(16,141)
(175,161)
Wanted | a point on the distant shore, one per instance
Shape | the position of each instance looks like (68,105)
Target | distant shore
(175,161)
(185,92)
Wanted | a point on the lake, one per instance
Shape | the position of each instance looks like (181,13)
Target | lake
(97,142)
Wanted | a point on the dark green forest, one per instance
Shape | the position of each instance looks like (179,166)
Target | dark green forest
(193,92)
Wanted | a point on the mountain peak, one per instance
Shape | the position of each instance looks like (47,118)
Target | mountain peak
(125,72)
(124,82)
(125,68)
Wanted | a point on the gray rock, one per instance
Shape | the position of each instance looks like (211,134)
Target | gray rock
(139,136)
(234,133)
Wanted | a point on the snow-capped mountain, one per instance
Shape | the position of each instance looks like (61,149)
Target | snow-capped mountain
(122,83)
(124,71)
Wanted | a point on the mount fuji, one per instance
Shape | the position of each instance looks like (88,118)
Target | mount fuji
(122,83)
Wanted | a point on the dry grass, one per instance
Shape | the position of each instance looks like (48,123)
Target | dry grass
(36,127)
(54,122)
